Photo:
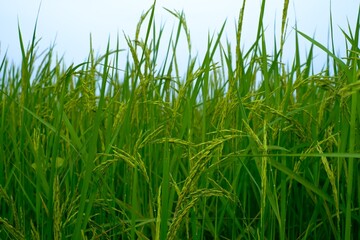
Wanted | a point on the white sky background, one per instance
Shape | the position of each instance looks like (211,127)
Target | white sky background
(69,23)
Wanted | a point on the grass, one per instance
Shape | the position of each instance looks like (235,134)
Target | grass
(246,147)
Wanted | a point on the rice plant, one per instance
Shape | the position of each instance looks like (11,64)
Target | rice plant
(240,147)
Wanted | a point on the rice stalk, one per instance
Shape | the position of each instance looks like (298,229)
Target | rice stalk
(183,205)
(158,216)
(283,24)
(10,229)
(133,161)
(57,210)
(332,179)
(34,232)
(194,197)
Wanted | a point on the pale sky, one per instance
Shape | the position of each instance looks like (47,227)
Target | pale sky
(69,23)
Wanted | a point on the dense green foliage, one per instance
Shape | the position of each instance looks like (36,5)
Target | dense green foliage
(243,148)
